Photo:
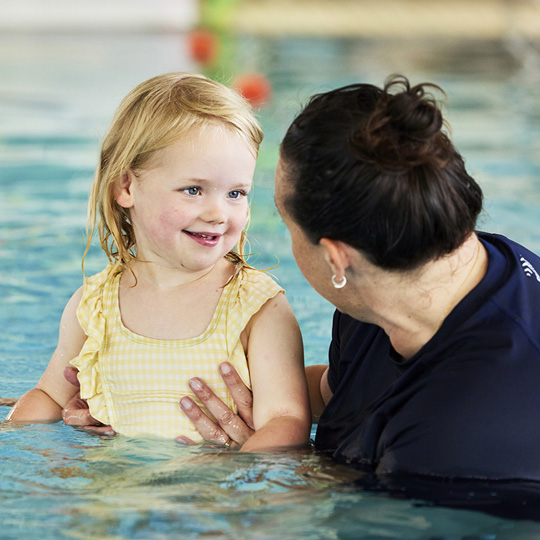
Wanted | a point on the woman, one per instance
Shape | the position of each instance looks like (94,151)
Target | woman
(434,364)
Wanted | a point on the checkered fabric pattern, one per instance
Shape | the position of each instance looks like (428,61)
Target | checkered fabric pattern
(134,383)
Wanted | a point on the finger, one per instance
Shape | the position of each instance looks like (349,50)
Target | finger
(229,422)
(208,429)
(79,417)
(240,393)
(76,413)
(70,374)
(99,430)
(185,440)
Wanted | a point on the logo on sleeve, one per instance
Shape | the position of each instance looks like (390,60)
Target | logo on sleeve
(528,268)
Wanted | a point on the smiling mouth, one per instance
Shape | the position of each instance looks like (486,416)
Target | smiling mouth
(204,239)
(204,236)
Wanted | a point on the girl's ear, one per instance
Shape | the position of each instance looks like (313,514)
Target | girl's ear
(337,256)
(123,194)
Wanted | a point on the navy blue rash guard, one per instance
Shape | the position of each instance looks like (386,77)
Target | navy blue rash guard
(466,405)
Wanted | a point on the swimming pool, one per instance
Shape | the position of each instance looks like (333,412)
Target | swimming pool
(57,94)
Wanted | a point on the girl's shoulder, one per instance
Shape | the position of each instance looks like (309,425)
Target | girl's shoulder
(257,282)
(248,291)
(93,290)
(96,281)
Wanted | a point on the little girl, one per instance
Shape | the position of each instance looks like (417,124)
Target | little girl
(177,299)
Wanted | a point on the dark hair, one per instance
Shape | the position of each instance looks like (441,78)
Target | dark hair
(372,167)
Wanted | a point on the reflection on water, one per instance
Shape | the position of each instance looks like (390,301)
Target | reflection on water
(57,94)
(60,483)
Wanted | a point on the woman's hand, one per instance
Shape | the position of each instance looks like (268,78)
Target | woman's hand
(231,429)
(76,412)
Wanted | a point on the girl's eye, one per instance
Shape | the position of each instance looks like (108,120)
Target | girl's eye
(237,194)
(193,190)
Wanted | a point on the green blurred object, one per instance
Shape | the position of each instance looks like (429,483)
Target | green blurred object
(217,14)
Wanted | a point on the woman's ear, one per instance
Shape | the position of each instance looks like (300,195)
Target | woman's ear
(336,254)
(123,194)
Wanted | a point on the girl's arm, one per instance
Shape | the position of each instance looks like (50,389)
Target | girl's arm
(281,410)
(45,402)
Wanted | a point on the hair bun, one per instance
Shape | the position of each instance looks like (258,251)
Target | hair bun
(413,115)
(404,128)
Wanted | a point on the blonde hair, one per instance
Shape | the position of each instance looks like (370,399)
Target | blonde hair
(152,116)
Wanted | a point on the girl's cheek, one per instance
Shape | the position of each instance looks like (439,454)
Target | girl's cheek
(171,217)
(167,222)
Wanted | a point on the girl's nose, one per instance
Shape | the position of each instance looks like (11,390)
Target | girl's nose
(214,211)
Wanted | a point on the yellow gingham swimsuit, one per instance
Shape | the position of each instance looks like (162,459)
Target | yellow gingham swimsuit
(134,383)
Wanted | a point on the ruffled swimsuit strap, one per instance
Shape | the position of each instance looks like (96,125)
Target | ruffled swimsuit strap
(92,313)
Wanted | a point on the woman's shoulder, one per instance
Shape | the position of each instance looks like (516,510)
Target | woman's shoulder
(514,256)
(510,291)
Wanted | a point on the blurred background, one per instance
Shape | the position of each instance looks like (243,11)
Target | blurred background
(66,64)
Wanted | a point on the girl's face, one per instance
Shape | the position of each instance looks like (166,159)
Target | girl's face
(189,206)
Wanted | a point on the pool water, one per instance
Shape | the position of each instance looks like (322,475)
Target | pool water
(57,95)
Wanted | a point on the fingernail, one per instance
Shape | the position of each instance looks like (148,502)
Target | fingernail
(179,440)
(196,384)
(185,403)
(225,368)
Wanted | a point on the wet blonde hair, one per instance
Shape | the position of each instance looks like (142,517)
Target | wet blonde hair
(155,114)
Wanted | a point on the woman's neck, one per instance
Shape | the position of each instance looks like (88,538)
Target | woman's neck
(411,308)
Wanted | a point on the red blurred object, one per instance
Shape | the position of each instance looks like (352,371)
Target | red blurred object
(203,45)
(256,88)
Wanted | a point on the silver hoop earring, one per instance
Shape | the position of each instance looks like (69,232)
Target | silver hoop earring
(339,284)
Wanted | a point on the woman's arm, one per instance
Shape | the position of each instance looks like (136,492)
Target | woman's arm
(45,402)
(281,411)
(319,391)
